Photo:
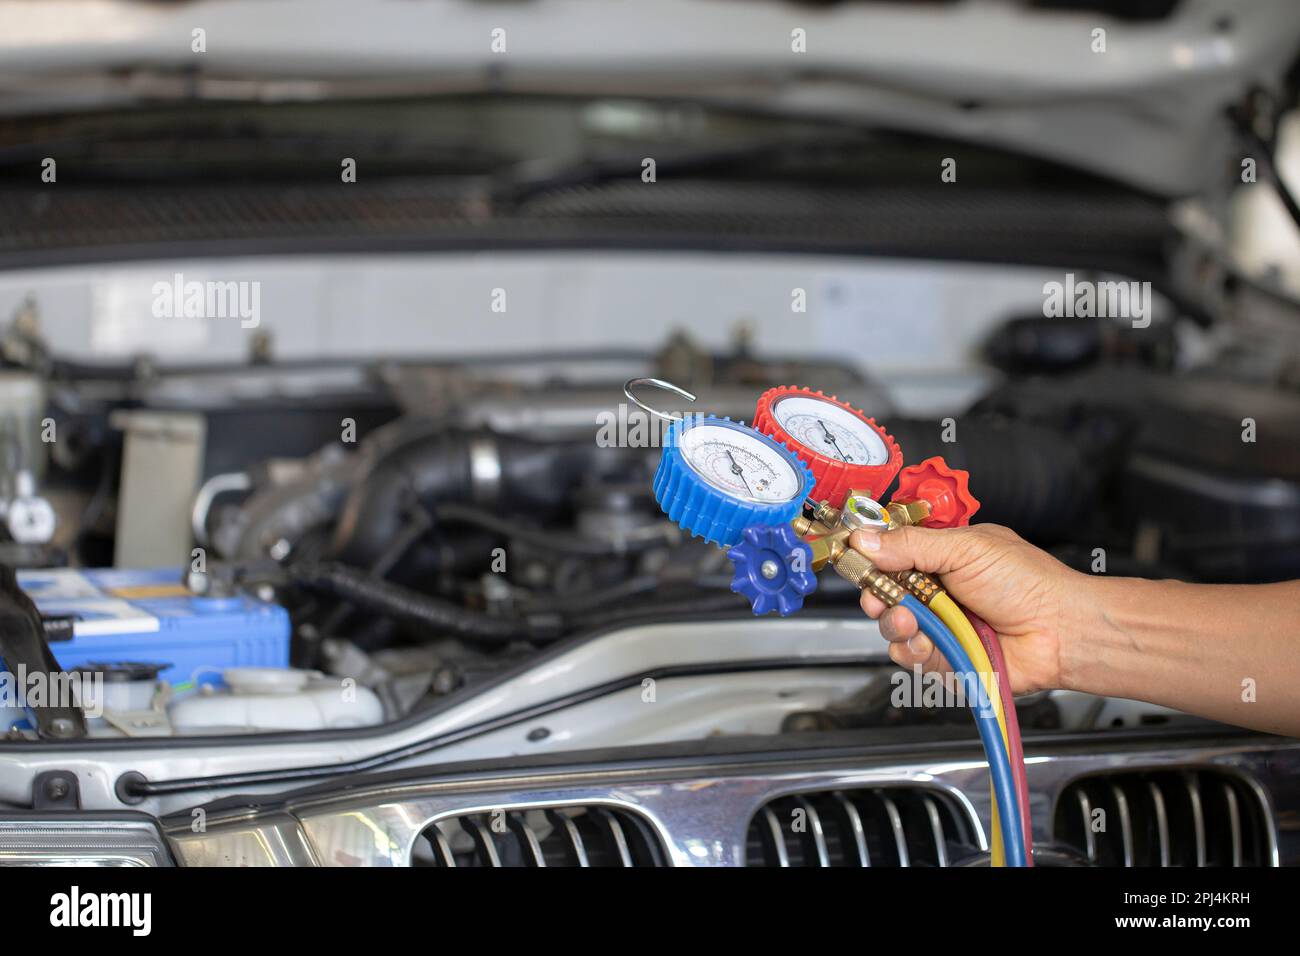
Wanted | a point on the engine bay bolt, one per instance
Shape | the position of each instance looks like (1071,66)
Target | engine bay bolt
(445,680)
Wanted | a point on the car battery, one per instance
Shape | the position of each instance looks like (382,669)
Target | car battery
(120,615)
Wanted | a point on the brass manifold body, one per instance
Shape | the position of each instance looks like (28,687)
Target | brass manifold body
(827,532)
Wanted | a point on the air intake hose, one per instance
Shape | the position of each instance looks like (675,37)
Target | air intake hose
(446,467)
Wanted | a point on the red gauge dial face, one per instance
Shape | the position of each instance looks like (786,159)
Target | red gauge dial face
(830,430)
(844,448)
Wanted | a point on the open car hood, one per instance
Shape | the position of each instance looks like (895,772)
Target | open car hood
(1148,110)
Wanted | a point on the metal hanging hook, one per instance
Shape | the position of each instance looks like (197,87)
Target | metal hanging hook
(657,383)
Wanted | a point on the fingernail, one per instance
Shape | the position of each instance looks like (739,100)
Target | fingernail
(867,540)
(919,645)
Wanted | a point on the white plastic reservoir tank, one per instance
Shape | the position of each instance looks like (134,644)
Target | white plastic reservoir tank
(273,698)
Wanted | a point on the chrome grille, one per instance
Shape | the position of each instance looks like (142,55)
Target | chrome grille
(1188,817)
(594,836)
(883,826)
(702,812)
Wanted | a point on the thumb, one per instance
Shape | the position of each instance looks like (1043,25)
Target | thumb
(934,550)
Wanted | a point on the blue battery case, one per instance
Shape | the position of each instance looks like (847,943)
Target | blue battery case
(149,616)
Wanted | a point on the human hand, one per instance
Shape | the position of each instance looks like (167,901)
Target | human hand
(1028,597)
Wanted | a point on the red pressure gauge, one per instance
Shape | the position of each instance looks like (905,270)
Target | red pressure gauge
(844,448)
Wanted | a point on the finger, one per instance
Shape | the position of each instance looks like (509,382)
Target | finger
(905,655)
(934,550)
(899,624)
(872,605)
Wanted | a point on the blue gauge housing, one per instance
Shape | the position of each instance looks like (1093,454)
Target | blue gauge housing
(707,511)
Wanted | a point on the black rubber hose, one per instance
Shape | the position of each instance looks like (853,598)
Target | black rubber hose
(364,591)
(436,469)
(359,588)
(556,542)
(294,510)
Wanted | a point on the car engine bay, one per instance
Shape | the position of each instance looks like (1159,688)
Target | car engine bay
(446,514)
(461,535)
(484,571)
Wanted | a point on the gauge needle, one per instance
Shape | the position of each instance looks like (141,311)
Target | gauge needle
(830,440)
(740,473)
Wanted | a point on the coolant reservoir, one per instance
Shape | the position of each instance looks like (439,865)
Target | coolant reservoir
(273,698)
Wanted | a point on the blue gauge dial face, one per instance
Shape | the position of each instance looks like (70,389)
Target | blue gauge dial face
(741,464)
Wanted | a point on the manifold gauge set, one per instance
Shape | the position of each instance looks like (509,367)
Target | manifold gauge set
(784,493)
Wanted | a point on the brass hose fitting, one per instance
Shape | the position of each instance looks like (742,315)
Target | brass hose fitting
(923,586)
(827,547)
(861,571)
(904,514)
(826,515)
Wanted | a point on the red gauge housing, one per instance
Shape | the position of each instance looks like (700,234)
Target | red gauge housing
(835,478)
(946,490)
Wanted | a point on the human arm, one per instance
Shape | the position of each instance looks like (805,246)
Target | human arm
(1226,652)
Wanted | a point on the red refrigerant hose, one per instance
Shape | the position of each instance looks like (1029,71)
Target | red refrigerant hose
(993,647)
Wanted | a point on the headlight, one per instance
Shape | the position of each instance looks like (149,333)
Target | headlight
(107,839)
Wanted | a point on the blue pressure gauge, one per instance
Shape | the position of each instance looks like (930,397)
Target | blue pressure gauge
(717,477)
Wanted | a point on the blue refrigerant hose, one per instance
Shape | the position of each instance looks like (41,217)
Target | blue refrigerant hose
(987,724)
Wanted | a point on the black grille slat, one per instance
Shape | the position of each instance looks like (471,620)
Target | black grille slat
(881,826)
(1234,823)
(936,830)
(855,829)
(1125,824)
(441,848)
(572,837)
(814,830)
(528,842)
(1162,824)
(1087,842)
(772,838)
(896,828)
(594,836)
(1198,817)
(614,832)
(1165,818)
(480,830)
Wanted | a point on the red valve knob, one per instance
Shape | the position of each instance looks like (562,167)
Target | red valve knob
(946,490)
(845,449)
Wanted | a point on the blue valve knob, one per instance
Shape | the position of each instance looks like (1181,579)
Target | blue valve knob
(717,477)
(773,569)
